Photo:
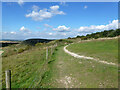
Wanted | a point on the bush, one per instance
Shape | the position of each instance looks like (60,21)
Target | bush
(38,44)
(27,47)
(69,38)
(20,50)
(83,38)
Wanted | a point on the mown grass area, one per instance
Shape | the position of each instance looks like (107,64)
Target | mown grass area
(102,49)
(69,72)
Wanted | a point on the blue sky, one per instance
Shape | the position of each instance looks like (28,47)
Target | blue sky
(52,20)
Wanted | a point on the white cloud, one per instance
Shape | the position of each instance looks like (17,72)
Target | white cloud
(43,35)
(50,33)
(98,28)
(85,7)
(54,8)
(44,13)
(62,28)
(39,16)
(61,31)
(13,32)
(20,2)
(25,30)
(48,26)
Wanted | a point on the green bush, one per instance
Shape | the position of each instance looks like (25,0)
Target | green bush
(38,44)
(69,38)
(27,47)
(20,50)
(83,38)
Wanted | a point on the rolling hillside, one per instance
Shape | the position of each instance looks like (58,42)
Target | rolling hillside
(30,68)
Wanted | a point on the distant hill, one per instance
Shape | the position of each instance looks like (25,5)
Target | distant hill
(9,40)
(34,41)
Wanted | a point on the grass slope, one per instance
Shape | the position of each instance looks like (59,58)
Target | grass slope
(26,67)
(67,71)
(106,50)
(30,68)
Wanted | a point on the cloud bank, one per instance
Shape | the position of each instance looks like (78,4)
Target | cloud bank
(61,31)
(98,28)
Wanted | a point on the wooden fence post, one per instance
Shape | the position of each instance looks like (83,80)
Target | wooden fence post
(51,50)
(46,53)
(8,79)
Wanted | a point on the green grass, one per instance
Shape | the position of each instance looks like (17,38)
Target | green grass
(30,68)
(15,49)
(25,67)
(106,50)
(69,72)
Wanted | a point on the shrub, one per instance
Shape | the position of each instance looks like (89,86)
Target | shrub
(15,49)
(27,47)
(38,44)
(83,38)
(69,38)
(20,50)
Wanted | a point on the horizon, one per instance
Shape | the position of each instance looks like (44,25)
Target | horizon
(52,20)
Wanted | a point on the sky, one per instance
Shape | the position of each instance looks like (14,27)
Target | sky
(56,20)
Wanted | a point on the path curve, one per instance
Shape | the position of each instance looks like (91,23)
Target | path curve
(85,57)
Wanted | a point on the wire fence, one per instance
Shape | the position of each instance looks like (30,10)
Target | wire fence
(39,73)
(49,52)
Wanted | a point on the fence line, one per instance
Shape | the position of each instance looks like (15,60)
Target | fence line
(40,69)
(45,64)
(46,53)
(43,67)
(8,72)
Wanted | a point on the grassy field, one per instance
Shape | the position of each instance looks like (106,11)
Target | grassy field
(30,69)
(69,72)
(106,50)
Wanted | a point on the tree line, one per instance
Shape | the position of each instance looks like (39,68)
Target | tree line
(102,34)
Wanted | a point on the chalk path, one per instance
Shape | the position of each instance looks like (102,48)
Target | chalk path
(85,57)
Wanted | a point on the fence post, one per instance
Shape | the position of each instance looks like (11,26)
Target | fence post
(51,50)
(46,53)
(8,79)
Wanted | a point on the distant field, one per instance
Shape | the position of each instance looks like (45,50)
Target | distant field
(106,50)
(5,41)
